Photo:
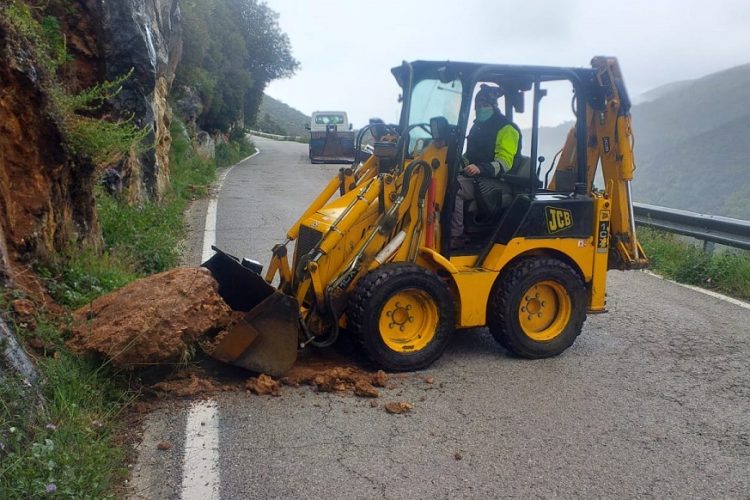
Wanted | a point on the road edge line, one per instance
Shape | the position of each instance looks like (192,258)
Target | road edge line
(209,228)
(200,463)
(710,293)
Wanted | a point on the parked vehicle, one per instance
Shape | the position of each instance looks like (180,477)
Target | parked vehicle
(331,137)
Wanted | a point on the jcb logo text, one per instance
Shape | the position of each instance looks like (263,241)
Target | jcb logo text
(558,219)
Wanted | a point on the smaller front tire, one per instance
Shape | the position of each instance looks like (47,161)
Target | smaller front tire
(403,316)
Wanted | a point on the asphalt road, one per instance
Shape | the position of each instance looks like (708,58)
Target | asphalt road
(653,399)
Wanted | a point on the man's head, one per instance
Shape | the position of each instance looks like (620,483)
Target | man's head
(487,95)
(485,102)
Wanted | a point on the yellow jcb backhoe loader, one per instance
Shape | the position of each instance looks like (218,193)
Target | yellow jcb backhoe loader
(372,255)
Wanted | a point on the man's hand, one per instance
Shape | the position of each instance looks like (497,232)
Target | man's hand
(471,170)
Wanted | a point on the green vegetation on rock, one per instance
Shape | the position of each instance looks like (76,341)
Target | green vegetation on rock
(102,140)
(65,441)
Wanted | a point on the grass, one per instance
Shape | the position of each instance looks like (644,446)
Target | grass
(727,272)
(62,441)
(234,151)
(84,275)
(65,441)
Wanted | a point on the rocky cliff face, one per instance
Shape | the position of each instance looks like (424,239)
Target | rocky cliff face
(110,38)
(146,36)
(45,192)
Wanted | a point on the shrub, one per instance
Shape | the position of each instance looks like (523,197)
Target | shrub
(726,271)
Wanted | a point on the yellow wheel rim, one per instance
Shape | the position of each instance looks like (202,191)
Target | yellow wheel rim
(408,321)
(544,311)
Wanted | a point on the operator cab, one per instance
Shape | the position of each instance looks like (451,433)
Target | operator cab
(540,101)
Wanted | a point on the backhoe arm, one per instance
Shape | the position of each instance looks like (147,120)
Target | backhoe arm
(612,142)
(609,142)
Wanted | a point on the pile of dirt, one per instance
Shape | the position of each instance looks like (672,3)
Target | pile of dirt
(323,376)
(152,320)
(191,381)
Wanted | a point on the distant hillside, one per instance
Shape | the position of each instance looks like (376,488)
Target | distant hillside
(658,92)
(692,144)
(275,117)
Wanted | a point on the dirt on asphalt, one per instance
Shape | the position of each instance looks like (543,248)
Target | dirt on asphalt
(158,321)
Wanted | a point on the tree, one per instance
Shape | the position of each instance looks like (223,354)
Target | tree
(232,50)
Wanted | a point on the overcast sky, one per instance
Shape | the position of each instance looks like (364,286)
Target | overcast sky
(347,47)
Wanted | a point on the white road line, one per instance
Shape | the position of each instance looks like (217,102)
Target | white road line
(200,467)
(209,229)
(704,291)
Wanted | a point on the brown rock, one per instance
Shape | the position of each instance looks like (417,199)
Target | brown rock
(163,446)
(141,408)
(152,320)
(37,344)
(429,380)
(263,385)
(364,389)
(23,307)
(379,379)
(25,312)
(396,408)
(42,212)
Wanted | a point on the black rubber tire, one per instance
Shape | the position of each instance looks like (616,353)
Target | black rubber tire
(372,293)
(506,297)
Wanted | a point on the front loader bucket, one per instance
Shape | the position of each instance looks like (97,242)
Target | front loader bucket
(265,339)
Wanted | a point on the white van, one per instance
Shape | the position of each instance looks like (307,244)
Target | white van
(331,137)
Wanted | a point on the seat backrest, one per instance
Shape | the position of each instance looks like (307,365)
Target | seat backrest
(521,166)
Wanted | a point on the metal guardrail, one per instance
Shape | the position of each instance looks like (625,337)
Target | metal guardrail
(277,137)
(709,228)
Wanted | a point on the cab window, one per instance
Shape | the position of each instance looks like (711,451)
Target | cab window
(431,98)
(329,120)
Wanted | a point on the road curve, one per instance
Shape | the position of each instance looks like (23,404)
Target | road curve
(653,400)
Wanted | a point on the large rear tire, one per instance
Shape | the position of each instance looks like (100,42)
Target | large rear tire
(403,316)
(537,307)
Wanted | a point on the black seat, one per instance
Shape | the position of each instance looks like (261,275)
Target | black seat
(495,195)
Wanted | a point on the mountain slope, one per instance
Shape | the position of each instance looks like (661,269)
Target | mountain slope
(693,145)
(275,117)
